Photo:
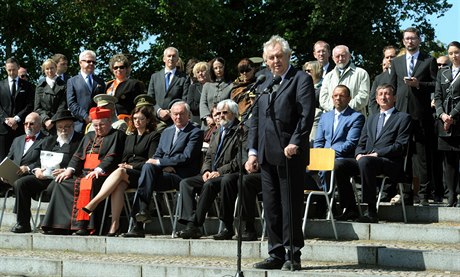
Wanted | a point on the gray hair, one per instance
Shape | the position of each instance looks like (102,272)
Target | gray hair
(341,46)
(276,39)
(171,48)
(87,53)
(231,105)
(182,103)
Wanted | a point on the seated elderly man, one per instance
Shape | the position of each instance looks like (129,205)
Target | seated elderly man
(221,159)
(108,102)
(23,149)
(65,142)
(98,154)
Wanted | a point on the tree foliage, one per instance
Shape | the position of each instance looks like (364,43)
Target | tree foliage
(33,30)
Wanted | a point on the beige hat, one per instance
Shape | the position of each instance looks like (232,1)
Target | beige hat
(104,99)
(144,100)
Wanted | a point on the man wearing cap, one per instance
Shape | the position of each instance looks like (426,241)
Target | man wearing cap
(81,89)
(144,100)
(98,154)
(108,102)
(167,85)
(23,149)
(66,142)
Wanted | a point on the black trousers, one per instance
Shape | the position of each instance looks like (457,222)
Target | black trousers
(152,179)
(278,206)
(451,174)
(421,154)
(25,188)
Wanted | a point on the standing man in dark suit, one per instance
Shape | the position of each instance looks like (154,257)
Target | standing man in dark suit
(66,142)
(23,151)
(322,53)
(82,88)
(178,156)
(389,53)
(61,66)
(167,85)
(278,141)
(414,77)
(16,102)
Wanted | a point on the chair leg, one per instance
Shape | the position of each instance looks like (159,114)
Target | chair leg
(7,193)
(37,213)
(104,213)
(307,205)
(176,214)
(157,207)
(355,192)
(380,193)
(401,192)
(168,206)
(330,215)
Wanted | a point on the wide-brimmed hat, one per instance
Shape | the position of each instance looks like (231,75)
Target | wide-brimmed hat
(63,115)
(144,100)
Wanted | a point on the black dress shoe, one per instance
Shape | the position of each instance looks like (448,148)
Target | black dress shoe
(134,234)
(143,216)
(369,217)
(82,232)
(19,228)
(225,234)
(191,232)
(348,215)
(249,236)
(288,266)
(424,202)
(270,263)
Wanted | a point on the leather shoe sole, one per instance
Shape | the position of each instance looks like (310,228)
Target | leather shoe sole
(224,235)
(133,234)
(82,232)
(270,263)
(191,233)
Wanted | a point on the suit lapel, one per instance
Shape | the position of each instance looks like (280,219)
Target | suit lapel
(284,84)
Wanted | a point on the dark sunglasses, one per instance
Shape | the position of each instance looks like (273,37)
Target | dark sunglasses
(442,64)
(89,61)
(119,67)
(308,70)
(245,70)
(23,76)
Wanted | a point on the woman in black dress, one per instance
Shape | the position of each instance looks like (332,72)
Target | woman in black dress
(447,101)
(139,147)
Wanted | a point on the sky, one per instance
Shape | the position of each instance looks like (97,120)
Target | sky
(447,28)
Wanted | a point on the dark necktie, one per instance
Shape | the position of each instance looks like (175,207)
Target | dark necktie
(13,89)
(167,79)
(380,124)
(219,148)
(30,138)
(89,82)
(411,66)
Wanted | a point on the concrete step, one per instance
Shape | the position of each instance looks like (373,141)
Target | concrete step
(41,255)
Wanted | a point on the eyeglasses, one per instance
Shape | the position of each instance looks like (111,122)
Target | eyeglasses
(119,67)
(442,64)
(222,112)
(308,70)
(411,38)
(140,118)
(245,70)
(23,76)
(29,123)
(89,61)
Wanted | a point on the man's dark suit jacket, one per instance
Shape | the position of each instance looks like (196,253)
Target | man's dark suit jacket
(411,100)
(185,155)
(80,97)
(31,157)
(382,78)
(178,89)
(393,140)
(22,106)
(227,160)
(274,125)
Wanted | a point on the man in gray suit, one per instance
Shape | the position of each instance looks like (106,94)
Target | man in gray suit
(167,85)
(81,89)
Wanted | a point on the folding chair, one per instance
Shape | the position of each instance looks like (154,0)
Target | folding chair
(7,193)
(322,159)
(40,198)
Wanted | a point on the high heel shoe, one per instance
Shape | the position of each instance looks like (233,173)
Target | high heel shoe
(114,234)
(86,210)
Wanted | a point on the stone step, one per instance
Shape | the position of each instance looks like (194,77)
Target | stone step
(38,254)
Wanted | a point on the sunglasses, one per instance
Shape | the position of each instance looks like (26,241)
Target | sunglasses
(89,61)
(442,64)
(119,67)
(246,70)
(308,70)
(23,76)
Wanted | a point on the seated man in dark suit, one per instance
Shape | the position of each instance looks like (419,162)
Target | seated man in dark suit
(381,150)
(221,160)
(23,151)
(66,141)
(340,130)
(178,156)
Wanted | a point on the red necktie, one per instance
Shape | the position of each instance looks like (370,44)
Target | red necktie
(32,138)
